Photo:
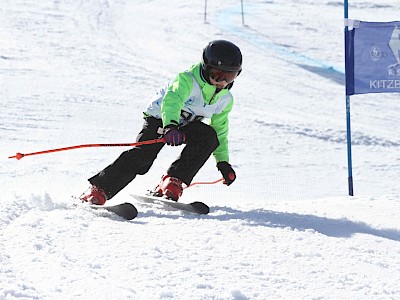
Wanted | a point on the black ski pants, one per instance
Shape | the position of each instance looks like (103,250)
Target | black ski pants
(201,141)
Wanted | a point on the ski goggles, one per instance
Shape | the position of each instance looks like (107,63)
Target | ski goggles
(221,75)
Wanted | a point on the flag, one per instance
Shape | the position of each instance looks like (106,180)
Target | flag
(372,57)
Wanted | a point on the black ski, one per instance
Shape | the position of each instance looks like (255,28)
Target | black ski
(125,210)
(194,207)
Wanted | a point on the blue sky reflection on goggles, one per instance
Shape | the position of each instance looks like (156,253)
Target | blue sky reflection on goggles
(221,75)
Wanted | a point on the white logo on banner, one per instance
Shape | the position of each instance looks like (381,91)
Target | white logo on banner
(375,53)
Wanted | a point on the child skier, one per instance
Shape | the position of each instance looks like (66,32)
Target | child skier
(176,113)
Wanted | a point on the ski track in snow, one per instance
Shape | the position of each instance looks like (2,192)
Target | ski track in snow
(76,72)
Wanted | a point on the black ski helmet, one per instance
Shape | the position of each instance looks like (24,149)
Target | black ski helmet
(222,55)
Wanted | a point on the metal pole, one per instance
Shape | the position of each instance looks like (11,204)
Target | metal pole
(205,11)
(349,160)
(348,127)
(242,13)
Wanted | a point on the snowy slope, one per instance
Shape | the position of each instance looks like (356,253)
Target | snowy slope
(78,72)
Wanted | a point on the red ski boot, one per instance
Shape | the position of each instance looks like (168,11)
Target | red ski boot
(94,195)
(170,187)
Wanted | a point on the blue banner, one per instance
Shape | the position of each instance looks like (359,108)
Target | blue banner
(373,58)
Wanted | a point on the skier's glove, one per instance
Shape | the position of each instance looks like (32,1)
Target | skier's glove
(173,136)
(227,172)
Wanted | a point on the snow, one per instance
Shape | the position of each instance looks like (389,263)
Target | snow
(79,72)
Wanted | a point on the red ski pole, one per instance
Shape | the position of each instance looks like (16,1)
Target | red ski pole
(18,156)
(204,182)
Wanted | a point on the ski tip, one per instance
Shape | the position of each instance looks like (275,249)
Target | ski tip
(201,208)
(125,210)
(129,211)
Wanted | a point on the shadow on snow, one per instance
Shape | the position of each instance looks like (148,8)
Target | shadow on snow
(326,226)
(275,219)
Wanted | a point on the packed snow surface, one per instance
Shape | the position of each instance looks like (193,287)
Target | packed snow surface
(79,72)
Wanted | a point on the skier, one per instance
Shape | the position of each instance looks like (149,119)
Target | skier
(176,113)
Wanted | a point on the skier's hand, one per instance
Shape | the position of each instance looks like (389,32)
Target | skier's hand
(227,172)
(173,136)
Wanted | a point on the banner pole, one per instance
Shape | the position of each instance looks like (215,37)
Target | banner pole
(349,160)
(348,127)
